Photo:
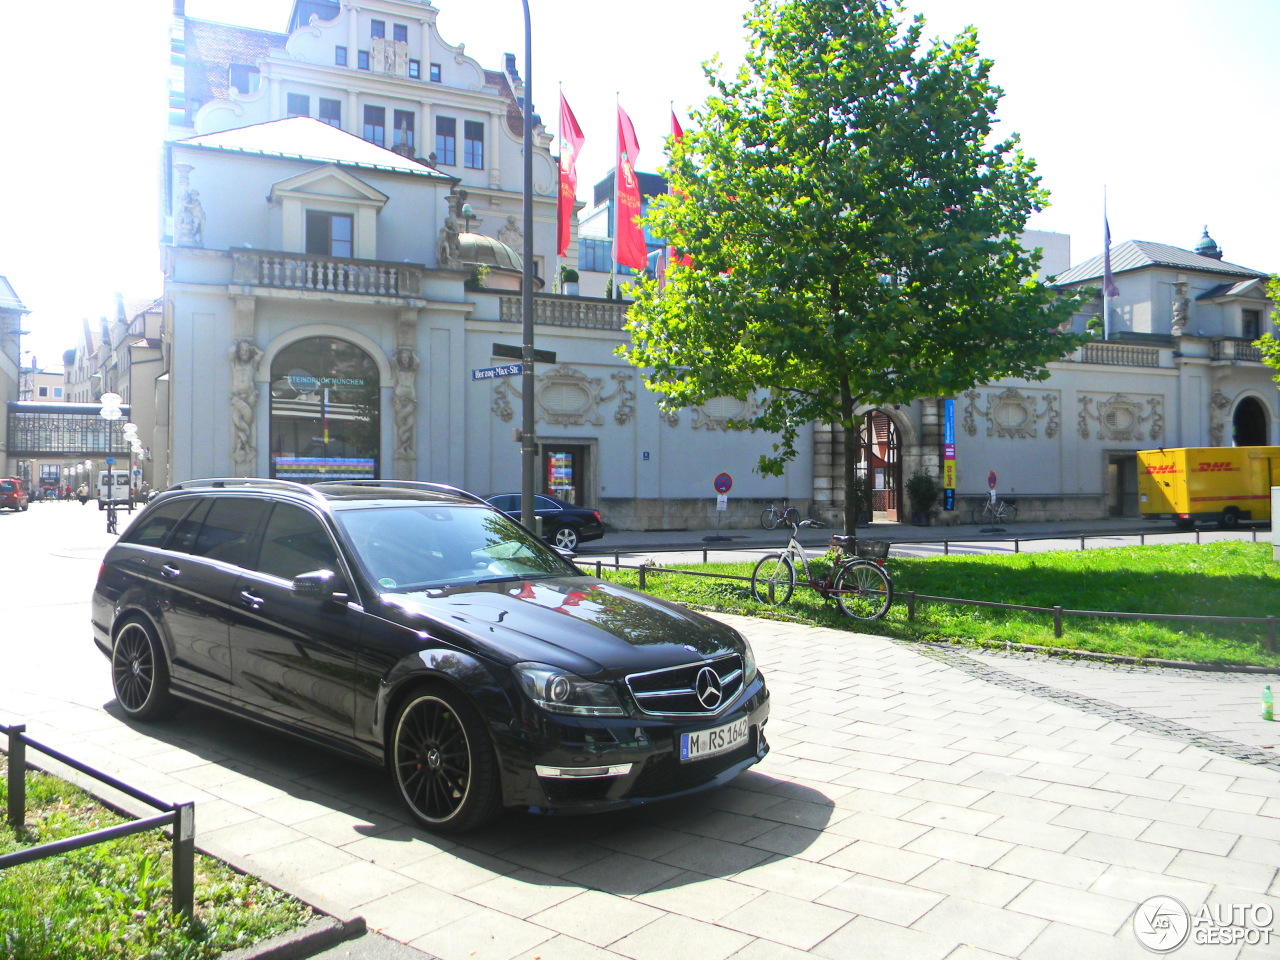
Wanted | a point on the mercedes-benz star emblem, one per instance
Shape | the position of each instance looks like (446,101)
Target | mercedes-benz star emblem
(708,688)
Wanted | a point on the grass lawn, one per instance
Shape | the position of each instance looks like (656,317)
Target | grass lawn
(1231,579)
(112,900)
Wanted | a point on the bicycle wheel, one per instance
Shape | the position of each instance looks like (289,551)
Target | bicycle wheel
(863,590)
(977,514)
(1010,512)
(791,516)
(769,518)
(773,579)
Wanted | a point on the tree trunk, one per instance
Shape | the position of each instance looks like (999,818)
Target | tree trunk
(852,442)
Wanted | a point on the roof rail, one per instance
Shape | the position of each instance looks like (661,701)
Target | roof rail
(261,482)
(407,484)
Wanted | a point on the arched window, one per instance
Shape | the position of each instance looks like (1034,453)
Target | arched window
(1249,424)
(324,412)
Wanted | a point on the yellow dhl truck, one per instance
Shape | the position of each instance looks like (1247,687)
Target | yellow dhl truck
(1222,484)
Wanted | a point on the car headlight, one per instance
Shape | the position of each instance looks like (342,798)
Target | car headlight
(559,692)
(749,668)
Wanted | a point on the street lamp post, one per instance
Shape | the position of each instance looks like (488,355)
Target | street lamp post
(528,439)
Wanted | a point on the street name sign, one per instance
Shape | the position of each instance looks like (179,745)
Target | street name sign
(504,370)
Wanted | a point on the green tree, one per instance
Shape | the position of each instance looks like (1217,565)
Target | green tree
(852,226)
(1269,345)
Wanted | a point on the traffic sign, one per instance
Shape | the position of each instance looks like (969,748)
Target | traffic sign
(991,480)
(505,370)
(724,483)
(111,461)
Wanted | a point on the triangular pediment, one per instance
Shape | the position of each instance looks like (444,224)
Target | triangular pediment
(331,182)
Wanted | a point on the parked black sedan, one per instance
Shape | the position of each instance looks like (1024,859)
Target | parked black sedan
(563,524)
(414,626)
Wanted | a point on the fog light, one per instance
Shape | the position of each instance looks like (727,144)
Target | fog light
(579,773)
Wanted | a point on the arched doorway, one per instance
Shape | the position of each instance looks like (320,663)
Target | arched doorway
(324,412)
(1249,424)
(879,467)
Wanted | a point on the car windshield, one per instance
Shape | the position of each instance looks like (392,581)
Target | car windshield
(404,548)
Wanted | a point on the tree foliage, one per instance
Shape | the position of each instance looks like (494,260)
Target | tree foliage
(1268,343)
(852,229)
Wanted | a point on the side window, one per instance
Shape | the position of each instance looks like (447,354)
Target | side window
(506,502)
(294,542)
(228,529)
(156,526)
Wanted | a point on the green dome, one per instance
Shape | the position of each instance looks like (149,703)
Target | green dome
(1208,247)
(477,248)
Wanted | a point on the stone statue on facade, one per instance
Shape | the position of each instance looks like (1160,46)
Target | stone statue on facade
(404,408)
(1179,308)
(448,250)
(245,356)
(191,221)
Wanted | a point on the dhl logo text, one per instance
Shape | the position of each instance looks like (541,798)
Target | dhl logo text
(1209,466)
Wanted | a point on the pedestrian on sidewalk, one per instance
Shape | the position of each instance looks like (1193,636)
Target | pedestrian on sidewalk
(82,494)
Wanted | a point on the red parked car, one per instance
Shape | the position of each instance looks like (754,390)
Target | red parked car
(13,494)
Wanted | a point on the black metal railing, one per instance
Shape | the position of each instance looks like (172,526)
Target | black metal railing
(179,816)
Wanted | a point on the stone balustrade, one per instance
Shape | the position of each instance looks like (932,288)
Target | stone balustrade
(320,274)
(569,312)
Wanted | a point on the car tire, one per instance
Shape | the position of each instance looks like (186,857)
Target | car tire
(442,761)
(140,673)
(566,538)
(1230,518)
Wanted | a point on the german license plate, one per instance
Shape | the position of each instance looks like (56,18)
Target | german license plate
(709,743)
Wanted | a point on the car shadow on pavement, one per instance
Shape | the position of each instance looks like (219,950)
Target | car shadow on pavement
(259,774)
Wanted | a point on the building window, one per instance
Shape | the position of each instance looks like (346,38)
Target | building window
(403,132)
(42,391)
(1251,324)
(340,56)
(362,59)
(330,234)
(375,125)
(377,28)
(400,32)
(331,112)
(415,69)
(435,73)
(244,78)
(57,393)
(299,105)
(473,145)
(446,141)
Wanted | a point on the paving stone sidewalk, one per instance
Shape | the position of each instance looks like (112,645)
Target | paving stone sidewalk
(914,805)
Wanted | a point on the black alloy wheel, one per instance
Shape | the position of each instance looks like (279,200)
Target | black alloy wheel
(566,538)
(443,762)
(139,673)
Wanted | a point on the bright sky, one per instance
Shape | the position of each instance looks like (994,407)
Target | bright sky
(1168,103)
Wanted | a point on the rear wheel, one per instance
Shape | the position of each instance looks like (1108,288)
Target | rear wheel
(1010,512)
(443,762)
(139,673)
(792,516)
(863,591)
(773,579)
(566,538)
(1230,518)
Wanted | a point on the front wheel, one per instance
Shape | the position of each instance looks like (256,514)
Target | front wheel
(1010,512)
(773,579)
(443,763)
(791,517)
(566,538)
(769,518)
(1230,519)
(863,591)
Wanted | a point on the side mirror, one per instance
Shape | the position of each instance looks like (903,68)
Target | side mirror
(324,586)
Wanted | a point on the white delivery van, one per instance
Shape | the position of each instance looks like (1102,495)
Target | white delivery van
(113,487)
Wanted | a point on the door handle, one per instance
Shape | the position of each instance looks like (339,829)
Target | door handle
(169,572)
(250,601)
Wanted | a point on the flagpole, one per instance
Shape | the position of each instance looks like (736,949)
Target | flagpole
(1106,259)
(617,173)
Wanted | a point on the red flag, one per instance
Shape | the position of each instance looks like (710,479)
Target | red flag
(571,140)
(629,245)
(682,259)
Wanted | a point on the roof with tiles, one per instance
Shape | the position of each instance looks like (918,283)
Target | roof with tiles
(1136,254)
(305,138)
(211,49)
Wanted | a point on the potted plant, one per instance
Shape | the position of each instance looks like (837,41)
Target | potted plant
(569,281)
(923,492)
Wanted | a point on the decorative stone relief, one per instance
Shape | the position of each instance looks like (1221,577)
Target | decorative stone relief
(404,409)
(1180,303)
(718,412)
(511,234)
(1121,417)
(568,397)
(670,417)
(1013,414)
(448,251)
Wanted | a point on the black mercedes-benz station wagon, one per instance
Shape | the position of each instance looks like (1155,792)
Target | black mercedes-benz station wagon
(413,625)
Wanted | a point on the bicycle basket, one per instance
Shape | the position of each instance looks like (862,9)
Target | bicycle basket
(872,549)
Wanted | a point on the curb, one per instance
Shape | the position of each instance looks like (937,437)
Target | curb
(316,936)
